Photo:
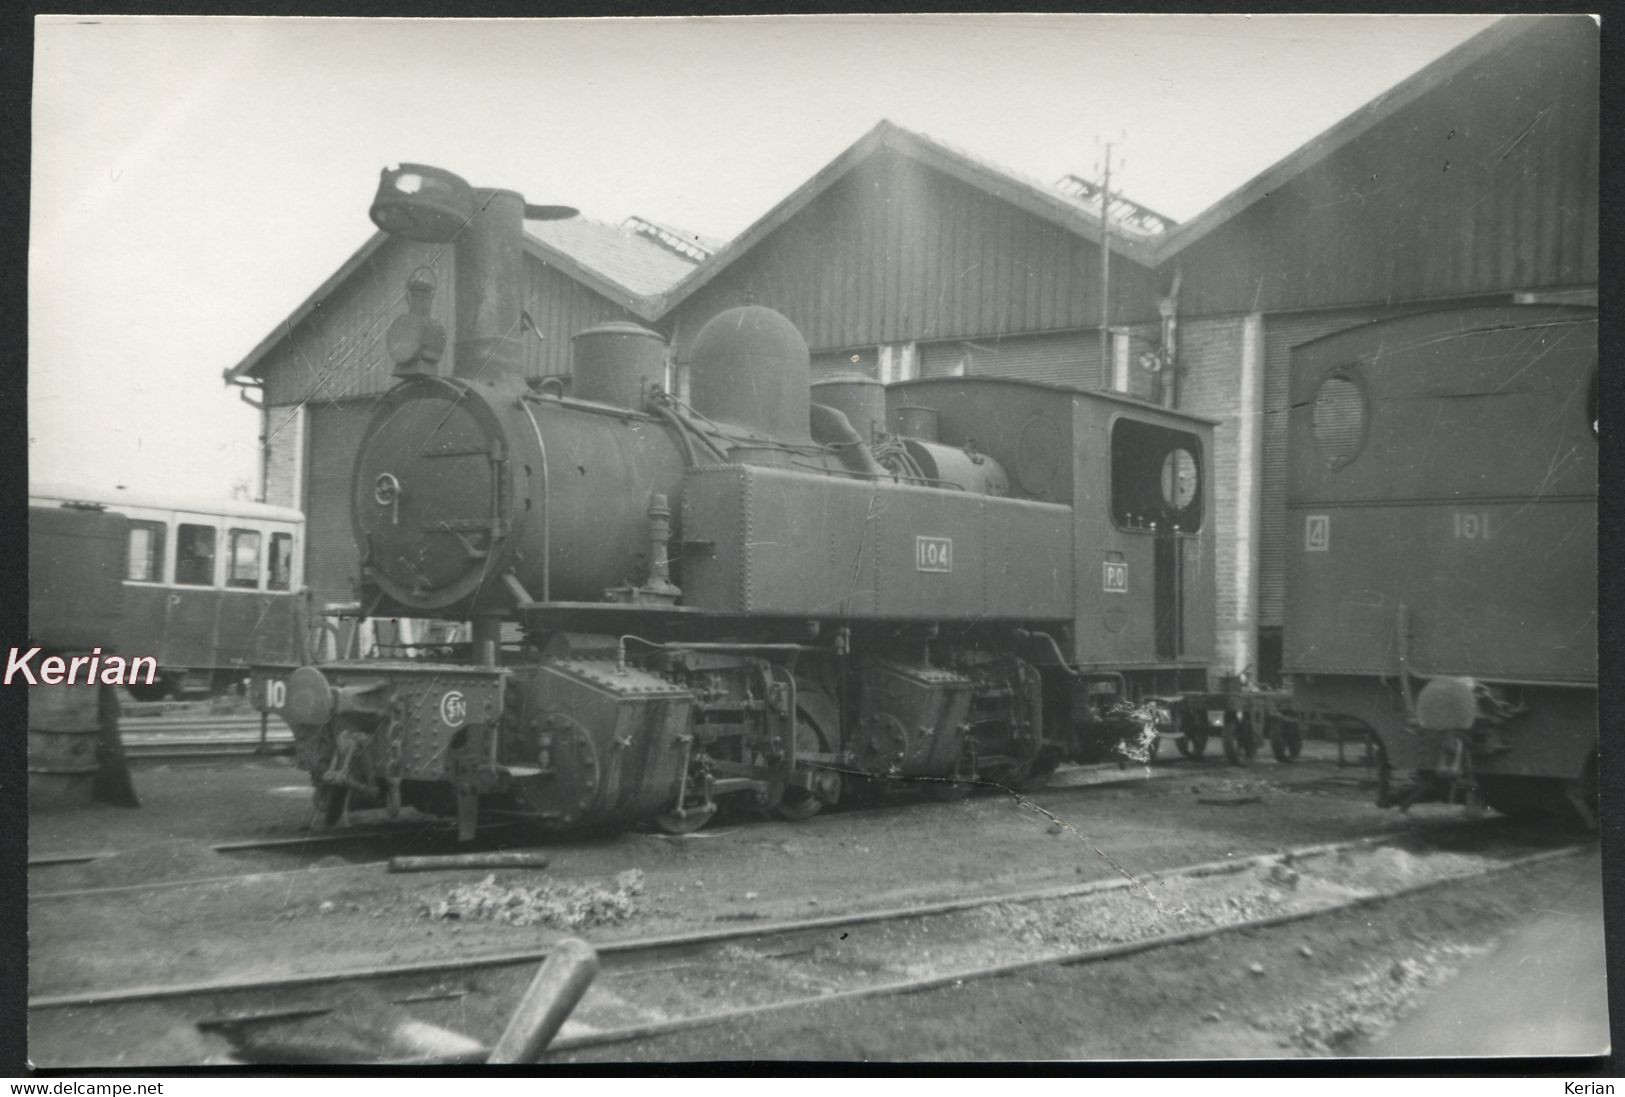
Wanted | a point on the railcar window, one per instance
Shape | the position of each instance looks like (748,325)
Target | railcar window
(281,577)
(146,553)
(243,562)
(194,555)
(1156,477)
(1339,420)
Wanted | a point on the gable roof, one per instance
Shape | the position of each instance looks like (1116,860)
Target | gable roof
(1346,131)
(616,262)
(1028,194)
(630,261)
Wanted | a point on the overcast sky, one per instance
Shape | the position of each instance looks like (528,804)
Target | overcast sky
(194,179)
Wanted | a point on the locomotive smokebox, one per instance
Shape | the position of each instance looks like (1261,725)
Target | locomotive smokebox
(750,369)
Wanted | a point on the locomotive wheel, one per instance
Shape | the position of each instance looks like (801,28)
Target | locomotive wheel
(1240,744)
(1286,740)
(1192,744)
(1038,772)
(670,822)
(814,711)
(329,802)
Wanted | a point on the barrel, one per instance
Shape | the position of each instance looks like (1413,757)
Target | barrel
(64,730)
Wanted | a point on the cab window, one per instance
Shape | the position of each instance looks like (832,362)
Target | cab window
(194,555)
(243,561)
(146,563)
(1156,477)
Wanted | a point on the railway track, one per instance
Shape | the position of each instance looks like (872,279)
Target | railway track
(653,986)
(199,737)
(389,838)
(389,841)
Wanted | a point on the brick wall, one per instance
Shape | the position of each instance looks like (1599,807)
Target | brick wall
(1214,383)
(284,459)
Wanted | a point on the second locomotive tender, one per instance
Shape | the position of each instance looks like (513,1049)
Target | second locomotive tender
(753,594)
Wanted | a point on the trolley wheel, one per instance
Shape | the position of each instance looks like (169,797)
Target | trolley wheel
(1240,743)
(1286,740)
(670,822)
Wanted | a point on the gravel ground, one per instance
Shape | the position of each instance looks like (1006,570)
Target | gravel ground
(1331,986)
(333,912)
(330,912)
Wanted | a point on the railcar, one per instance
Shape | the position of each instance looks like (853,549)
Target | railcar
(1442,552)
(208,588)
(747,595)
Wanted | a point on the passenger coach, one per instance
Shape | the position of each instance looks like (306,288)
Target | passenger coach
(210,587)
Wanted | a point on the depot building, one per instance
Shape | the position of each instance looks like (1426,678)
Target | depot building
(1475,181)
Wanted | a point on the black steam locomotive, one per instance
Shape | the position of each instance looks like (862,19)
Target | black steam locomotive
(747,595)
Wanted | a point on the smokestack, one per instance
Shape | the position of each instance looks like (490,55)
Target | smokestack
(486,228)
(490,277)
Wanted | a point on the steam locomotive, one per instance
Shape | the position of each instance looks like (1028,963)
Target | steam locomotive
(1442,553)
(748,595)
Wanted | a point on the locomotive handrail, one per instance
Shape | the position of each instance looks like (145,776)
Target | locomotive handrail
(672,410)
(547,555)
(1060,659)
(1403,650)
(892,477)
(681,430)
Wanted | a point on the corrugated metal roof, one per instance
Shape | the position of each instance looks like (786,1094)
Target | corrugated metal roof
(1080,195)
(617,262)
(1345,132)
(1031,195)
(1479,175)
(630,259)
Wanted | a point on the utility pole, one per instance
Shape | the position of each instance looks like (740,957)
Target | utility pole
(1106,270)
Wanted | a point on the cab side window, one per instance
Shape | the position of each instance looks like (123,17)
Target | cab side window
(1156,477)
